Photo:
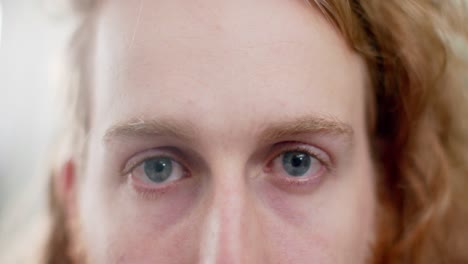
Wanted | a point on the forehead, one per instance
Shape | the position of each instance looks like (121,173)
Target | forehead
(212,61)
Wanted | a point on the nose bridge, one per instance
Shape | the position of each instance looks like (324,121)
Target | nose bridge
(230,220)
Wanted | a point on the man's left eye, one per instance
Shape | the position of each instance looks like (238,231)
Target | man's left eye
(297,164)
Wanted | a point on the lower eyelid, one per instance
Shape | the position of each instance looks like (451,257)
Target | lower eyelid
(150,192)
(291,184)
(317,161)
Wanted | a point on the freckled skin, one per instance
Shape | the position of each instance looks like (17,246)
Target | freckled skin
(230,68)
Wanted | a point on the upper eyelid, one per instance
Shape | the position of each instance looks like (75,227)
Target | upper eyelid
(317,152)
(310,151)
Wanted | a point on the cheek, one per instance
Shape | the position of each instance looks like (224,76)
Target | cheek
(153,230)
(156,212)
(332,225)
(121,226)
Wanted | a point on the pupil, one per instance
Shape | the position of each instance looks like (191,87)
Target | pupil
(297,160)
(159,167)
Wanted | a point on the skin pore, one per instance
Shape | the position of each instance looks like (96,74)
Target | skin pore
(224,92)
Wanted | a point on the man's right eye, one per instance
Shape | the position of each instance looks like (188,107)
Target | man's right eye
(158,170)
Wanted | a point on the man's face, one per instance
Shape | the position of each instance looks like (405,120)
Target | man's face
(225,132)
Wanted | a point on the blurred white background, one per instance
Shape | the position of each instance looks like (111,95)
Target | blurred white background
(34,34)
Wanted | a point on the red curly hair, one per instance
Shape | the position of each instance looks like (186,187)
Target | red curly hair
(418,132)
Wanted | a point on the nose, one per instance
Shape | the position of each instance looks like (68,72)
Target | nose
(231,232)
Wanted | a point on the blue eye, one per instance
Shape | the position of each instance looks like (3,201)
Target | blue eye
(298,167)
(158,169)
(296,163)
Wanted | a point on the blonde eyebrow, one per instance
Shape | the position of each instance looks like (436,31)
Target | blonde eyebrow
(138,127)
(308,125)
(316,124)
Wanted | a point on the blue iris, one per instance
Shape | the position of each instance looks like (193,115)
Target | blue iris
(158,169)
(296,163)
